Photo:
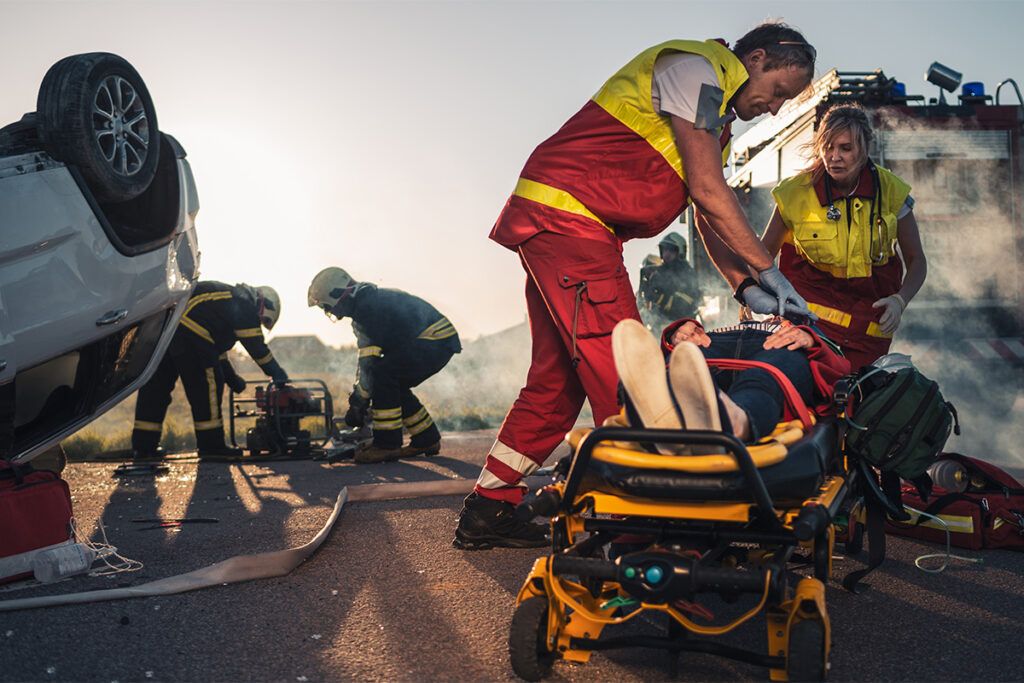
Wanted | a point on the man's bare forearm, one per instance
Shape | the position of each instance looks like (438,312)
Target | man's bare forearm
(726,219)
(732,267)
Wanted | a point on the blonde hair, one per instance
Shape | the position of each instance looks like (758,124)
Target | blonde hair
(838,119)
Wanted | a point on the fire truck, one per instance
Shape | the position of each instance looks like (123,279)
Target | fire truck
(963,162)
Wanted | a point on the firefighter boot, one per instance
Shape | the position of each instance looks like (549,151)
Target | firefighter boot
(374,454)
(210,444)
(486,523)
(414,449)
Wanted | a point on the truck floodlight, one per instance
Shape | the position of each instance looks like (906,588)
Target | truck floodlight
(944,77)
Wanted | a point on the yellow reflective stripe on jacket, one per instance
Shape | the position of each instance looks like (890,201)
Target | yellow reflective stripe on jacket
(627,94)
(832,315)
(249,332)
(442,329)
(386,425)
(209,424)
(195,301)
(875,330)
(555,198)
(684,296)
(211,382)
(842,247)
(369,351)
(361,391)
(386,413)
(196,327)
(209,296)
(263,360)
(148,426)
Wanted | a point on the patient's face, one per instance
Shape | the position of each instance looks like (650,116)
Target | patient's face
(843,159)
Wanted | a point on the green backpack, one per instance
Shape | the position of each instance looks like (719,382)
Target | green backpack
(900,422)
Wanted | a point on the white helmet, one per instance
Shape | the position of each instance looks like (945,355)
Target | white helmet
(328,287)
(270,306)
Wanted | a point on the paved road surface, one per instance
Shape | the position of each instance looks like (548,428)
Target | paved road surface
(387,598)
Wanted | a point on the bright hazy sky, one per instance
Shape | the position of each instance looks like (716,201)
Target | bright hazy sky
(384,137)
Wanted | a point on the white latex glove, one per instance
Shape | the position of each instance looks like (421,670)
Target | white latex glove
(787,299)
(894,306)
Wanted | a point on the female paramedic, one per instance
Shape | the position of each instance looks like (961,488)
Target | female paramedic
(836,226)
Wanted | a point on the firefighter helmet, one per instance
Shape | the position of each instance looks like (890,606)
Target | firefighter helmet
(270,306)
(328,287)
(674,239)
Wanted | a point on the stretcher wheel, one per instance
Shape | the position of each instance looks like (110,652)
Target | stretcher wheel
(527,640)
(805,659)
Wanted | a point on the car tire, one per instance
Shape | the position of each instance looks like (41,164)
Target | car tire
(94,112)
(20,137)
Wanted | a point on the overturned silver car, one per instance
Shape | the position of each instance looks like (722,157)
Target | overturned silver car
(98,251)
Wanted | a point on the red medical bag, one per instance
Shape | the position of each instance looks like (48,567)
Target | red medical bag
(988,514)
(35,511)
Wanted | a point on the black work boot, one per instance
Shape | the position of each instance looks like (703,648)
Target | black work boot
(486,523)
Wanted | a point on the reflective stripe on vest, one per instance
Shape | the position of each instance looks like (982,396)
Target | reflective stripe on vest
(844,319)
(828,244)
(555,198)
(832,315)
(627,94)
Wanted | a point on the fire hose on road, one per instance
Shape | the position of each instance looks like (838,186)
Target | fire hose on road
(251,567)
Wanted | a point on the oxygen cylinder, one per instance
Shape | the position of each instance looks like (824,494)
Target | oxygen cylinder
(950,475)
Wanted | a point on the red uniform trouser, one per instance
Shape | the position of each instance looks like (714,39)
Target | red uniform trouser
(572,284)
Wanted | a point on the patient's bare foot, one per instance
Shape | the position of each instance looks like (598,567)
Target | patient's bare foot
(737,416)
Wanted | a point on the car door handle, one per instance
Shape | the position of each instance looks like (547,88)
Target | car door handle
(111,317)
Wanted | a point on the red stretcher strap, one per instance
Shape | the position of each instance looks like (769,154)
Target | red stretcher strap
(793,401)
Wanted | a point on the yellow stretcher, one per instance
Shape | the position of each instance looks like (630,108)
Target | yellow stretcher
(728,524)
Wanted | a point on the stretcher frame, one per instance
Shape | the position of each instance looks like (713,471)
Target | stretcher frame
(570,596)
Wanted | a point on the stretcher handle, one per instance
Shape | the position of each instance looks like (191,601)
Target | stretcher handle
(691,437)
(790,394)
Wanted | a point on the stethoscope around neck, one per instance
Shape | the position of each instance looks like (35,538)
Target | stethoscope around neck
(874,217)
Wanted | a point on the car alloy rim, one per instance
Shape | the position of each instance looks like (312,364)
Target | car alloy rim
(120,125)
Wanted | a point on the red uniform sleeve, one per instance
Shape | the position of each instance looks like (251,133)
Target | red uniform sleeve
(827,367)
(667,334)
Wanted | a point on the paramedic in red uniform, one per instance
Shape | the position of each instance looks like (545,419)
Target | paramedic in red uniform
(652,139)
(836,227)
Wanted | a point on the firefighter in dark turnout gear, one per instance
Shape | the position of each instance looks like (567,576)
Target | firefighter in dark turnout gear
(402,341)
(216,316)
(669,289)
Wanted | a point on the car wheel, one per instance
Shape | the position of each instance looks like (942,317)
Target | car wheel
(94,112)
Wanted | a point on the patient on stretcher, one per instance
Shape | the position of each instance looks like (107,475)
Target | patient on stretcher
(747,403)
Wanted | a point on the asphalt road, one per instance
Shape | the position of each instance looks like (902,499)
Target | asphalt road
(388,598)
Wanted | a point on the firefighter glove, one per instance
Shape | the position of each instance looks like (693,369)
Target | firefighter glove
(774,282)
(236,383)
(893,311)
